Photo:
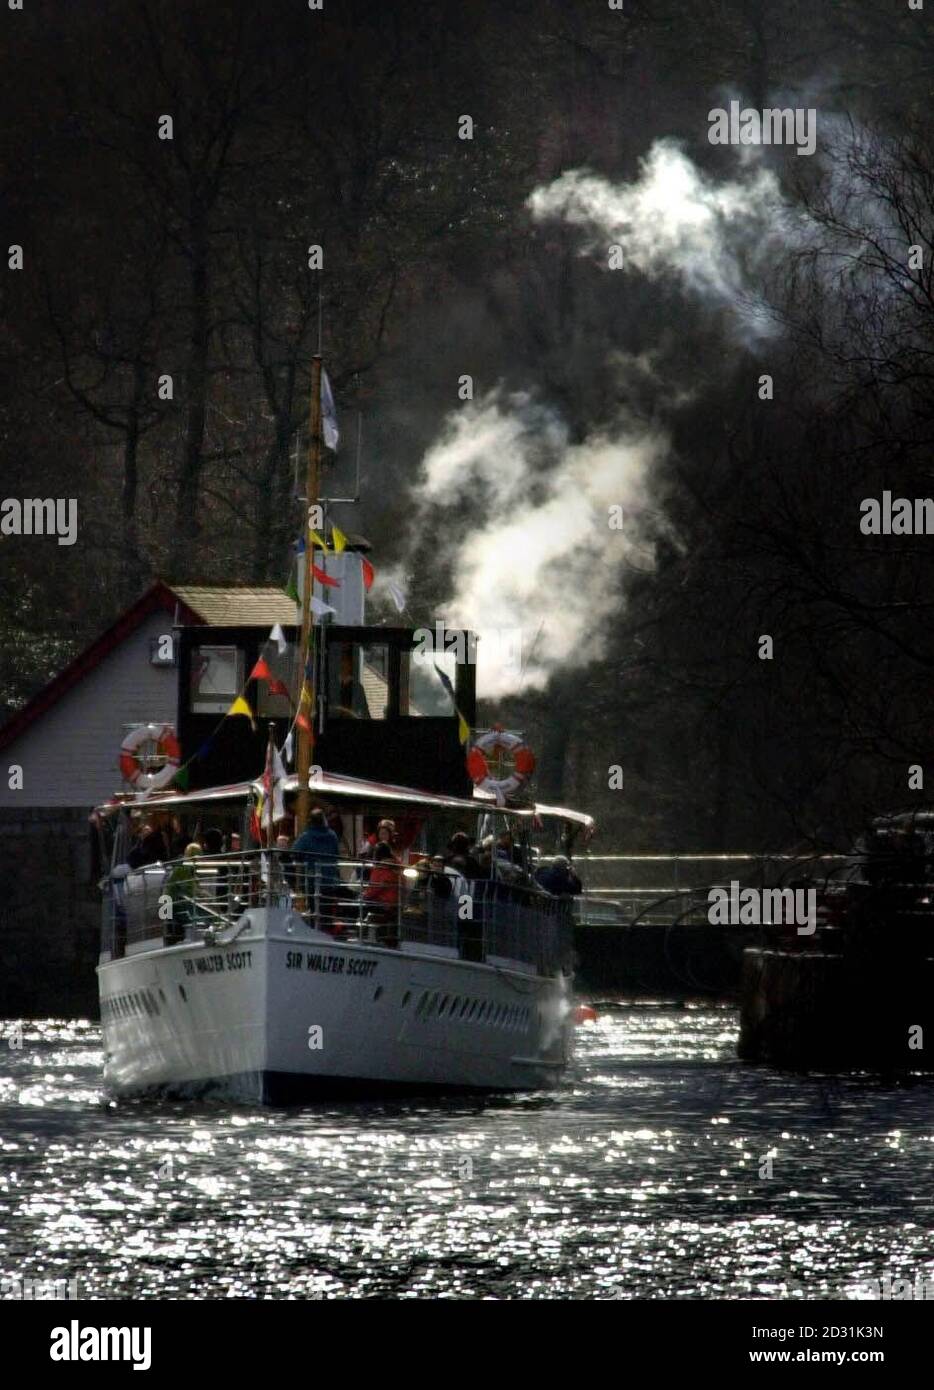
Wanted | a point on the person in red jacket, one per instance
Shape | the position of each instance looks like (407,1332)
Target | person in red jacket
(381,895)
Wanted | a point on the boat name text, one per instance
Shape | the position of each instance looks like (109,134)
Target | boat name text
(208,965)
(334,965)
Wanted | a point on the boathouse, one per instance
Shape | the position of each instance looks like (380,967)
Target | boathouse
(59,757)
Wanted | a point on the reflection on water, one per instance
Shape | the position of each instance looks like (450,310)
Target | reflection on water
(639,1179)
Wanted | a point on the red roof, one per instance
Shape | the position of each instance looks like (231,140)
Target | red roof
(159,598)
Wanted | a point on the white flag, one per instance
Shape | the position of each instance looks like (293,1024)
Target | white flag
(287,750)
(275,804)
(319,607)
(278,636)
(397,595)
(329,431)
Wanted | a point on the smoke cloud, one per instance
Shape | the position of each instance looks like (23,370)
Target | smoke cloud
(543,559)
(543,556)
(673,221)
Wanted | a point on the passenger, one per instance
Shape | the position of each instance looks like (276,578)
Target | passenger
(461,855)
(286,876)
(336,823)
(176,837)
(506,848)
(384,835)
(383,887)
(423,872)
(441,882)
(213,843)
(318,849)
(153,846)
(381,895)
(182,887)
(502,853)
(558,878)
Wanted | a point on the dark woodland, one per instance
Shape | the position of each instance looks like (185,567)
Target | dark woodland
(189,258)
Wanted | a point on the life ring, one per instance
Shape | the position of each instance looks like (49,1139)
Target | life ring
(523,763)
(131,766)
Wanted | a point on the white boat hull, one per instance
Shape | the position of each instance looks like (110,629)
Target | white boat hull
(280,1012)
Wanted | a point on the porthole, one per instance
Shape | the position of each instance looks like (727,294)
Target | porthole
(454,1003)
(377,992)
(420,1006)
(464,1007)
(181,990)
(443,1004)
(405,998)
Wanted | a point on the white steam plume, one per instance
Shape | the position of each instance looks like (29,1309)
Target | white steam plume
(674,221)
(543,558)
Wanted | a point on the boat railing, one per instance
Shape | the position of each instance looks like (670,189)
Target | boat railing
(379,902)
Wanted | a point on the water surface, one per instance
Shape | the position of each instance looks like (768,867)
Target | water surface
(640,1178)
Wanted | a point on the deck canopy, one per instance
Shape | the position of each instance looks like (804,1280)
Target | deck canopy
(328,784)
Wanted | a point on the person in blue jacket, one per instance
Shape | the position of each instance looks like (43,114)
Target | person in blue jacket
(318,849)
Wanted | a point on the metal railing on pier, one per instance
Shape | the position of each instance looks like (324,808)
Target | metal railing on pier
(639,892)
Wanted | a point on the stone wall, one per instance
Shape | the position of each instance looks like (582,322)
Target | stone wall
(49,915)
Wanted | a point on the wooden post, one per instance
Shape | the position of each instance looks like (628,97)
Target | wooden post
(306,651)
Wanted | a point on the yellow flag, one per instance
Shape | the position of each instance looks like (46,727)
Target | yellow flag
(305,698)
(339,539)
(316,540)
(240,706)
(463,729)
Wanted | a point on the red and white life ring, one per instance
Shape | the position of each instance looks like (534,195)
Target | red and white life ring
(131,766)
(523,763)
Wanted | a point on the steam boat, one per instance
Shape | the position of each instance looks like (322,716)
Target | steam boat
(268,970)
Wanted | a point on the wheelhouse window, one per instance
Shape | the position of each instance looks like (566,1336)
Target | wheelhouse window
(359,680)
(422,692)
(216,678)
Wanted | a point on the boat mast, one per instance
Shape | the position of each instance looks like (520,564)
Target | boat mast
(307,649)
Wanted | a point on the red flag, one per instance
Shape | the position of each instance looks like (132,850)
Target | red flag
(276,687)
(301,719)
(260,672)
(325,579)
(369,574)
